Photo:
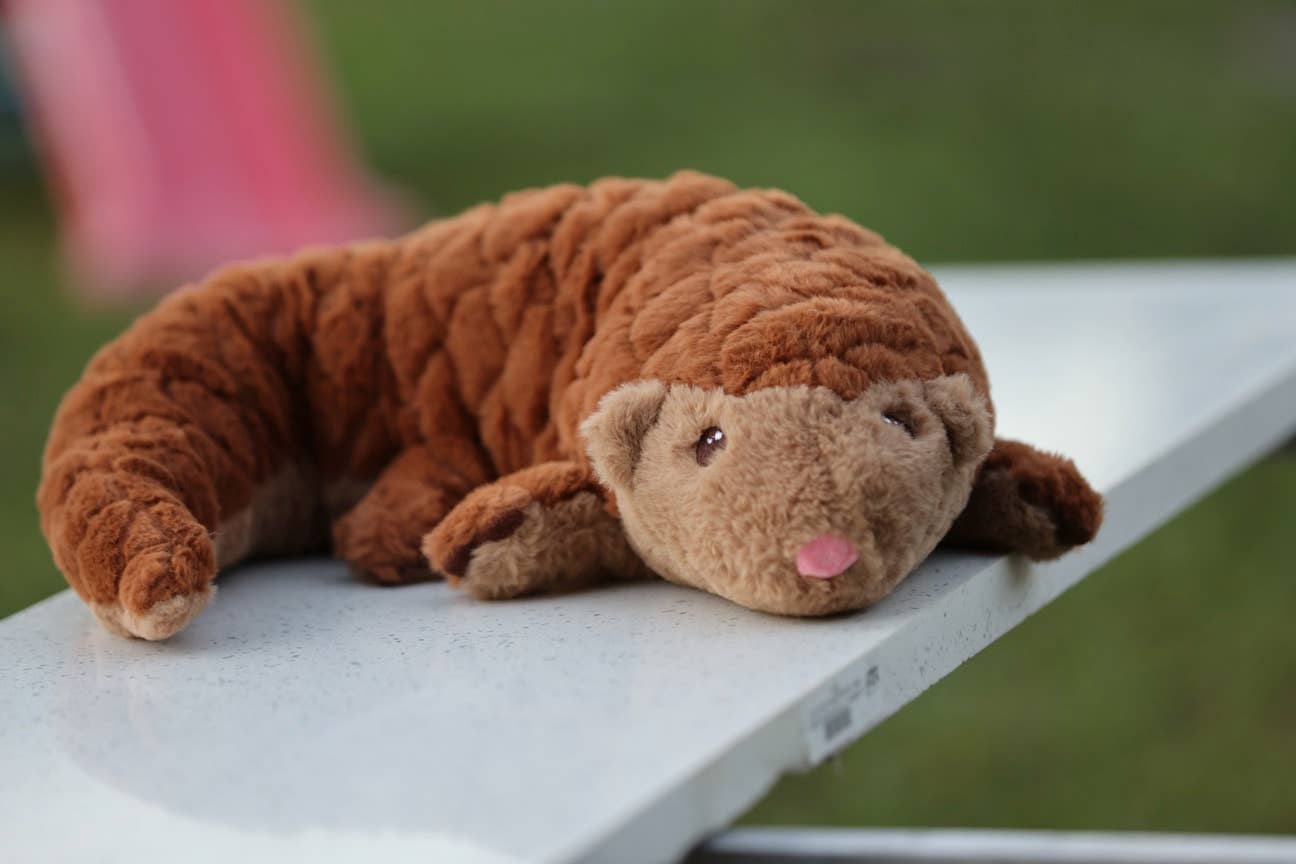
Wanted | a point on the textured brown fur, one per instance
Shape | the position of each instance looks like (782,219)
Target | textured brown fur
(381,391)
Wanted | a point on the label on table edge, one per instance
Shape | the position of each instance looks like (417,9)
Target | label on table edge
(833,717)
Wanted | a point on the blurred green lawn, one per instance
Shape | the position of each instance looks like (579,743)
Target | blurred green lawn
(1161,693)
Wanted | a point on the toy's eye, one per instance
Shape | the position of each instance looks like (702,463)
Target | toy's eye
(711,442)
(897,419)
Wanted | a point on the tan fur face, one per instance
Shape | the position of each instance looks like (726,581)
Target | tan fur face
(798,463)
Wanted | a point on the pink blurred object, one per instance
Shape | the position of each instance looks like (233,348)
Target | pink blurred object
(185,133)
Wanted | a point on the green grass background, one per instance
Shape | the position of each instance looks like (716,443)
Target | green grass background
(1161,693)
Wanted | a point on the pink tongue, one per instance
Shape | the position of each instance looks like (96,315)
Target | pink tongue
(825,557)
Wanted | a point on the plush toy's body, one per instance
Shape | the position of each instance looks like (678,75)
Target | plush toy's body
(718,384)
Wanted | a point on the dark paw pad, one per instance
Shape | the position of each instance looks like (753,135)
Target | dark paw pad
(498,528)
(1073,508)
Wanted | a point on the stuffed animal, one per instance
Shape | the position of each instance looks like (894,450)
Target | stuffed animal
(681,378)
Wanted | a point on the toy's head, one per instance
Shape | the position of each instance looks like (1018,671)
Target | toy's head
(789,499)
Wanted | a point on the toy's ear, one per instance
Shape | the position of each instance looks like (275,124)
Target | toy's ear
(964,413)
(614,432)
(1025,500)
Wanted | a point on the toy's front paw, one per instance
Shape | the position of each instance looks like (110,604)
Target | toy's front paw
(1064,501)
(501,544)
(492,514)
(1029,501)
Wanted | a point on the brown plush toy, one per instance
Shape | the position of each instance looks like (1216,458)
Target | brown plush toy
(679,377)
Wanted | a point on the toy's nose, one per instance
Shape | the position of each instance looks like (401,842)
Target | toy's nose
(825,556)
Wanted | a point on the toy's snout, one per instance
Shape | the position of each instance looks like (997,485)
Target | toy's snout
(826,556)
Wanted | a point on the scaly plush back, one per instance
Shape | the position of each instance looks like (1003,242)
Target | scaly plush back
(452,404)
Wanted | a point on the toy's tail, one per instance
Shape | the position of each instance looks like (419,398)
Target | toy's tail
(187,444)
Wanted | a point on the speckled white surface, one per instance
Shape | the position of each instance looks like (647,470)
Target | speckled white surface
(308,717)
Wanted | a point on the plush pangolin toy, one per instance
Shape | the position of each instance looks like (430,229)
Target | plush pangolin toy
(715,385)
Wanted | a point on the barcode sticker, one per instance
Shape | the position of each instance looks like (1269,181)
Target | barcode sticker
(837,722)
(833,718)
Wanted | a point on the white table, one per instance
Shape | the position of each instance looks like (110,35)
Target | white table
(306,716)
